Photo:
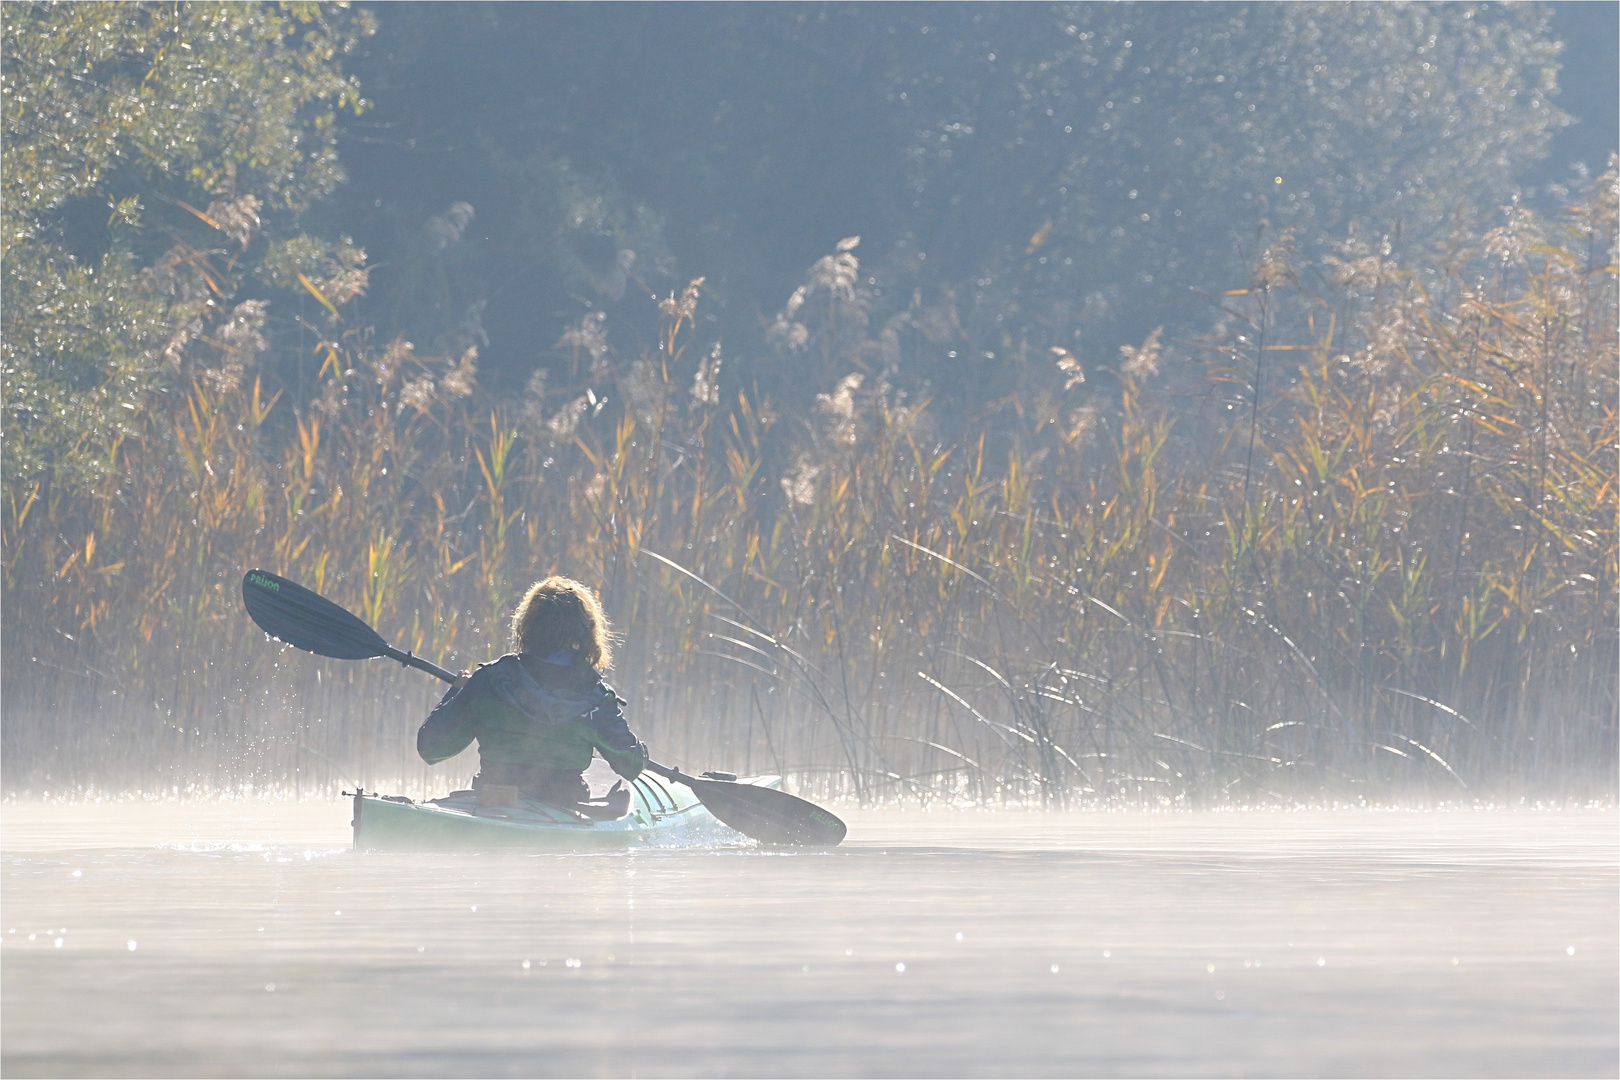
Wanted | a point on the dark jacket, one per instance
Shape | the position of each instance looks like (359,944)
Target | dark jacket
(531,712)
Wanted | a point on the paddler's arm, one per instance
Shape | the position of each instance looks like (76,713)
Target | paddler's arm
(611,735)
(449,728)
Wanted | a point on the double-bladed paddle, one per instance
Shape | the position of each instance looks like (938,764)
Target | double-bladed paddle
(309,621)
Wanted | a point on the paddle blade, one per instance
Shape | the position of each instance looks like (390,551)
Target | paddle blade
(305,620)
(768,815)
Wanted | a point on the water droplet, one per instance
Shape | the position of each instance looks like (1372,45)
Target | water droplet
(1453,961)
(261,929)
(133,945)
(77,873)
(959,935)
(901,967)
(525,965)
(1220,995)
(1054,969)
(1106,954)
(849,952)
(475,907)
(58,943)
(1570,951)
(421,948)
(337,912)
(573,962)
(269,988)
(1321,961)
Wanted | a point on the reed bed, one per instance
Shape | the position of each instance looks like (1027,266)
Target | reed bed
(1357,543)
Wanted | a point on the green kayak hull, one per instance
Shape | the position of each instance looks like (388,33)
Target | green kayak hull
(662,813)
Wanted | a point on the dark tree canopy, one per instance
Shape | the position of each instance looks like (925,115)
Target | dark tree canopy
(1045,171)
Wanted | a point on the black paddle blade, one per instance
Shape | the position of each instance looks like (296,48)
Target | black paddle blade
(768,815)
(286,610)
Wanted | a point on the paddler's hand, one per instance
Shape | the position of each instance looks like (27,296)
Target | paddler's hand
(461,678)
(629,762)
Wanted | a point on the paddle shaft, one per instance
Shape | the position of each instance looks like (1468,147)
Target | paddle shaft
(670,773)
(409,659)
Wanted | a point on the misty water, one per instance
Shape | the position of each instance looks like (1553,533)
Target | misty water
(246,938)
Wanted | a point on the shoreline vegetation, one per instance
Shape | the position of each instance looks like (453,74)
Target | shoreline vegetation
(1342,531)
(1356,543)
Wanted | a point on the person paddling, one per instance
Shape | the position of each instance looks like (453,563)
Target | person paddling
(538,712)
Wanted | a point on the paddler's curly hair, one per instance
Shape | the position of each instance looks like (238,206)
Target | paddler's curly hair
(561,613)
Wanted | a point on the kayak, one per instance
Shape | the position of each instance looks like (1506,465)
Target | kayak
(661,813)
(667,804)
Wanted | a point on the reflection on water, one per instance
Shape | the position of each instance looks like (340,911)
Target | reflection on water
(245,939)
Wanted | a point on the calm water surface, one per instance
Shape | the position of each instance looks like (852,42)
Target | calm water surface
(244,939)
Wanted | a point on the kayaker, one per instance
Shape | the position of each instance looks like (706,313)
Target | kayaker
(539,711)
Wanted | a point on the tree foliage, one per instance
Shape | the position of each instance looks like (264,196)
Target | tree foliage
(158,158)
